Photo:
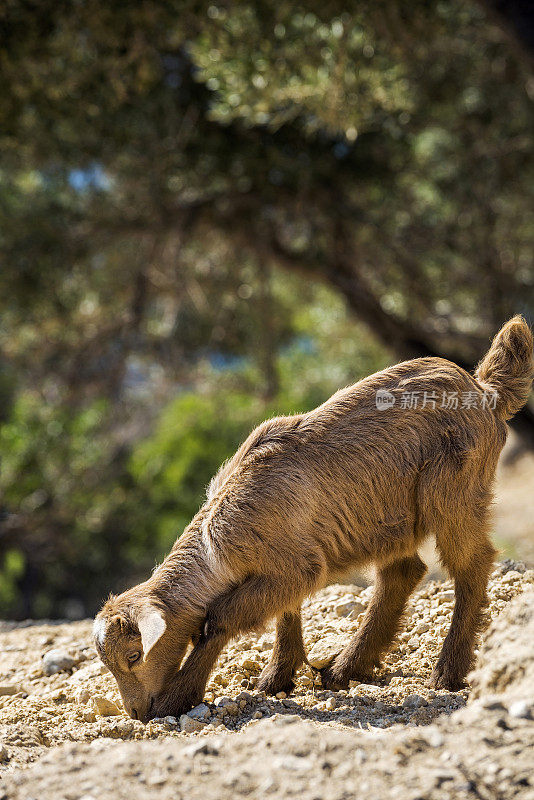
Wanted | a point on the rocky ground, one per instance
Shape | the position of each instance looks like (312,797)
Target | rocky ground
(64,734)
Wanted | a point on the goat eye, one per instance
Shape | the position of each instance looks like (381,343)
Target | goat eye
(133,658)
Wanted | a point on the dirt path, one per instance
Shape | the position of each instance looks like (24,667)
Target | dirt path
(66,735)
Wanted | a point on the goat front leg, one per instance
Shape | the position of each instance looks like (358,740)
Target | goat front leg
(287,656)
(246,607)
(185,689)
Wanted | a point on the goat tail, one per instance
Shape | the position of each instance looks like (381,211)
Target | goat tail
(507,367)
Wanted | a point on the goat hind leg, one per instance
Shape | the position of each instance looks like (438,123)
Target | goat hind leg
(468,619)
(395,583)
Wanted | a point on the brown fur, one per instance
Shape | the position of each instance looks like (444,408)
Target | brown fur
(309,497)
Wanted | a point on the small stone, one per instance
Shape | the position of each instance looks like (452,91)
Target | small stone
(190,725)
(82,696)
(170,720)
(446,596)
(4,755)
(200,712)
(209,747)
(59,696)
(223,701)
(434,738)
(414,701)
(257,715)
(423,627)
(105,707)
(250,663)
(330,704)
(57,661)
(125,728)
(322,651)
(511,576)
(8,689)
(349,608)
(88,715)
(520,710)
(281,695)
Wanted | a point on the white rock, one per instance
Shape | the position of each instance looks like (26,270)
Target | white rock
(349,608)
(291,763)
(520,710)
(511,576)
(434,738)
(87,673)
(369,688)
(367,593)
(322,651)
(330,704)
(57,661)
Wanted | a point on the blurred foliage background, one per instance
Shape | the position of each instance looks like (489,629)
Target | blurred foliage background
(215,212)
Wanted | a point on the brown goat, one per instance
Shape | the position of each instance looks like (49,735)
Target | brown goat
(307,498)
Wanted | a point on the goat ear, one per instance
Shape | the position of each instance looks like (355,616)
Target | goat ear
(151,627)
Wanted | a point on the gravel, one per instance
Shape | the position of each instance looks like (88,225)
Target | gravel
(79,706)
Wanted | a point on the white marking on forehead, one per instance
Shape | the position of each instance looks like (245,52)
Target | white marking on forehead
(99,631)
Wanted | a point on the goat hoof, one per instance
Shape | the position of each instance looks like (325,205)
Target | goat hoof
(442,678)
(274,682)
(331,680)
